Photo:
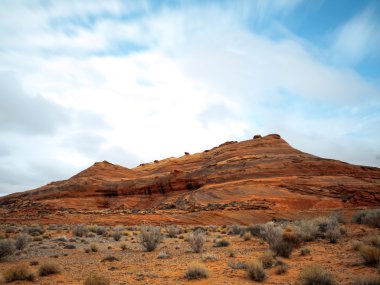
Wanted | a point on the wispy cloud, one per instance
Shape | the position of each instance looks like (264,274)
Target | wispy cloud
(136,81)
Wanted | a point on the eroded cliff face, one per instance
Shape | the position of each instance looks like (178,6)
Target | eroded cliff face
(264,173)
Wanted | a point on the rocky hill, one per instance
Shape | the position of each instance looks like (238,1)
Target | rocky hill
(237,181)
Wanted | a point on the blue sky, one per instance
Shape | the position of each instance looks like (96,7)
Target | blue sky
(134,81)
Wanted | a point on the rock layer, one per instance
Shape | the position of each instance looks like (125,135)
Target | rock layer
(262,174)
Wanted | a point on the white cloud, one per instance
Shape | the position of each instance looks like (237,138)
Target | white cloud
(200,78)
(357,39)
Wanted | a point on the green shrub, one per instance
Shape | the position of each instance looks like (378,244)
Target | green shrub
(255,270)
(48,269)
(196,270)
(150,237)
(314,274)
(18,272)
(96,279)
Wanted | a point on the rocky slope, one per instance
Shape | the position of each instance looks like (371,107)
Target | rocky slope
(262,176)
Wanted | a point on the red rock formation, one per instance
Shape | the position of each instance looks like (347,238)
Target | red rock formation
(260,174)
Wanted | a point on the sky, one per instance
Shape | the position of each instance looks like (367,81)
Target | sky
(134,81)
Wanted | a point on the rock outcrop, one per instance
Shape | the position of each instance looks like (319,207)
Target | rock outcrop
(264,173)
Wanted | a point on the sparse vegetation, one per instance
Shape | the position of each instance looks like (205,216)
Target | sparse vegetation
(164,255)
(35,230)
(370,217)
(221,243)
(314,274)
(94,247)
(196,270)
(367,280)
(96,279)
(281,267)
(21,241)
(197,241)
(173,231)
(247,236)
(304,251)
(80,231)
(7,247)
(255,270)
(267,259)
(150,237)
(49,269)
(116,235)
(370,254)
(210,257)
(18,272)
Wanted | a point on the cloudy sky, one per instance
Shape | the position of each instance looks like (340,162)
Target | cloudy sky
(134,81)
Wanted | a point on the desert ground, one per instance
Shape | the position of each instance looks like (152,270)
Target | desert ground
(339,248)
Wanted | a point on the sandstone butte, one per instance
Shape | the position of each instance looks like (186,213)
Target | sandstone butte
(237,182)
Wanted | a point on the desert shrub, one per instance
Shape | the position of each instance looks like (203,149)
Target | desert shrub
(235,230)
(96,279)
(356,244)
(247,236)
(369,217)
(314,274)
(333,235)
(237,264)
(267,259)
(173,231)
(197,241)
(110,258)
(150,237)
(373,240)
(123,246)
(281,247)
(99,230)
(367,280)
(370,254)
(7,247)
(305,251)
(18,272)
(163,254)
(94,247)
(308,230)
(291,236)
(221,243)
(21,241)
(255,270)
(196,270)
(116,236)
(256,230)
(80,231)
(35,230)
(271,233)
(281,267)
(210,257)
(48,269)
